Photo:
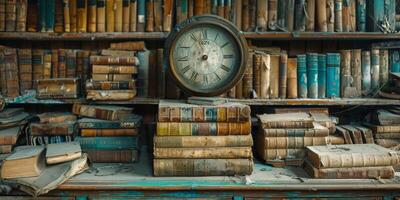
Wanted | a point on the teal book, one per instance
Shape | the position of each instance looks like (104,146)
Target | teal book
(375,69)
(376,15)
(312,75)
(395,61)
(300,16)
(332,75)
(282,8)
(50,15)
(321,76)
(141,15)
(42,15)
(361,15)
(366,71)
(108,143)
(302,76)
(128,121)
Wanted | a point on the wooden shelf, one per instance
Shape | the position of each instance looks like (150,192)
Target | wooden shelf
(38,36)
(253,102)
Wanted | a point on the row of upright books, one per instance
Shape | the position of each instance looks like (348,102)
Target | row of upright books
(159,15)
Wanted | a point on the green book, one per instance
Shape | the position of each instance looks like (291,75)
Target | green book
(50,15)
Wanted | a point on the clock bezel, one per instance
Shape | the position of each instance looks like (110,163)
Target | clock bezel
(199,21)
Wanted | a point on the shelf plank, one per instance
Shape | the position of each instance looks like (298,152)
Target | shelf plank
(38,36)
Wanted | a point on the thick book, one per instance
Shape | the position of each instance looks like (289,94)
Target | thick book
(282,15)
(50,129)
(377,129)
(54,63)
(202,141)
(312,75)
(47,64)
(113,113)
(203,153)
(293,142)
(94,132)
(245,15)
(257,73)
(265,67)
(203,128)
(9,136)
(110,15)
(111,95)
(181,112)
(101,16)
(388,143)
(56,117)
(114,69)
(302,76)
(114,60)
(110,85)
(355,134)
(356,71)
(31,21)
(354,155)
(21,15)
(283,72)
(59,88)
(278,154)
(27,162)
(382,172)
(262,15)
(11,15)
(344,133)
(161,73)
(5,149)
(113,156)
(118,15)
(70,63)
(62,152)
(202,167)
(366,71)
(375,68)
(338,15)
(318,131)
(333,75)
(150,18)
(290,14)
(25,69)
(321,15)
(286,120)
(108,143)
(125,122)
(112,77)
(9,71)
(387,136)
(346,25)
(394,61)
(62,64)
(366,134)
(274,77)
(292,78)
(330,15)
(128,46)
(81,16)
(66,16)
(126,14)
(383,67)
(107,52)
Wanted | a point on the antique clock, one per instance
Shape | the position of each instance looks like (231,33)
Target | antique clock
(206,55)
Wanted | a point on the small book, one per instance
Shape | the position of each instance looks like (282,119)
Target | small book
(62,152)
(27,162)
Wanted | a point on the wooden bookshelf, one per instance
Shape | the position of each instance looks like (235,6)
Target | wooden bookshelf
(38,36)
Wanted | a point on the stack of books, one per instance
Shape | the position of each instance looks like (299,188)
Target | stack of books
(203,140)
(282,138)
(109,133)
(113,72)
(356,161)
(355,134)
(385,126)
(52,128)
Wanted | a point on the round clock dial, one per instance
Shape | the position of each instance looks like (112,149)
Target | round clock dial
(206,55)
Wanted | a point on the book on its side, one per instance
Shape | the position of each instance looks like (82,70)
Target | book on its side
(126,121)
(9,136)
(62,152)
(108,143)
(286,120)
(93,132)
(203,153)
(113,113)
(27,162)
(203,128)
(201,141)
(113,156)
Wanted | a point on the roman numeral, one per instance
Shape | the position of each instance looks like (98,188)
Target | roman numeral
(184,47)
(204,31)
(193,37)
(194,75)
(206,79)
(225,68)
(215,39)
(228,56)
(184,58)
(217,76)
(224,45)
(185,69)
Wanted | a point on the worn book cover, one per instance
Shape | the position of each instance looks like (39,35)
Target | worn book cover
(203,128)
(113,113)
(104,132)
(49,129)
(203,153)
(302,76)
(286,120)
(202,141)
(113,156)
(62,152)
(126,121)
(108,143)
(111,95)
(64,88)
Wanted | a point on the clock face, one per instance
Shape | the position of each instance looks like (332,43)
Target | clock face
(206,58)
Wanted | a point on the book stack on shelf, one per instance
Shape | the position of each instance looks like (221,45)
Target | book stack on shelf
(385,126)
(114,72)
(282,137)
(355,134)
(52,128)
(203,140)
(109,133)
(357,161)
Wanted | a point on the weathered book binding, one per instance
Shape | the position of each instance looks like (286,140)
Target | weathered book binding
(202,141)
(111,95)
(286,120)
(203,128)
(333,75)
(203,153)
(94,132)
(110,85)
(42,129)
(274,77)
(302,76)
(113,156)
(312,75)
(108,143)
(126,121)
(112,113)
(59,88)
(312,132)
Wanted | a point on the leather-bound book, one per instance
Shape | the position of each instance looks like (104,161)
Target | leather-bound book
(375,68)
(352,10)
(390,14)
(59,88)
(56,117)
(292,78)
(265,67)
(113,113)
(228,11)
(110,85)
(81,13)
(248,77)
(202,153)
(355,134)
(59,17)
(239,89)
(141,15)
(181,10)
(245,15)
(293,142)
(114,60)
(300,16)
(101,16)
(394,61)
(111,95)
(202,141)
(383,67)
(128,46)
(346,16)
(282,15)
(366,71)
(220,8)
(313,12)
(302,76)
(93,132)
(257,59)
(283,69)
(114,69)
(73,15)
(42,15)
(22,8)
(272,14)
(330,15)
(92,16)
(366,133)
(274,76)
(66,15)
(9,71)
(3,15)
(345,72)
(11,15)
(152,75)
(312,75)
(290,14)
(113,156)
(110,15)
(150,16)
(237,13)
(322,16)
(262,15)
(202,128)
(129,121)
(126,15)
(31,21)
(252,15)
(47,64)
(43,129)
(62,65)
(70,63)
(108,143)
(286,120)
(25,69)
(190,8)
(356,71)
(37,65)
(338,16)
(50,15)
(111,77)
(361,16)
(167,13)
(118,15)
(161,73)
(133,15)
(321,76)
(317,132)
(198,8)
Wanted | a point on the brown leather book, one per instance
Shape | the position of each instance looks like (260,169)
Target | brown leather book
(101,16)
(265,75)
(237,7)
(248,76)
(22,8)
(201,167)
(118,15)
(203,153)
(9,71)
(311,12)
(190,9)
(286,120)
(245,15)
(345,70)
(56,117)
(283,68)
(11,15)
(110,85)
(47,64)
(58,88)
(168,6)
(383,66)
(292,78)
(252,15)
(152,75)
(199,8)
(110,15)
(54,63)
(293,142)
(383,172)
(366,134)
(108,132)
(352,12)
(59,17)
(112,77)
(274,77)
(354,155)
(322,15)
(62,68)
(387,143)
(81,12)
(92,16)
(202,141)
(161,73)
(126,15)
(113,156)
(262,15)
(239,89)
(107,52)
(220,9)
(114,60)
(133,16)
(3,14)
(149,16)
(338,16)
(346,16)
(113,113)
(356,71)
(319,131)
(31,21)
(172,91)
(114,69)
(128,46)
(111,95)
(330,15)
(73,15)
(345,134)
(158,15)
(52,129)
(66,15)
(9,136)
(204,128)
(377,129)
(272,14)
(278,154)
(37,65)
(257,73)
(70,63)
(5,149)
(25,69)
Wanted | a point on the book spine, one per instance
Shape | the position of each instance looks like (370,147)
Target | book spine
(239,89)
(73,15)
(321,76)
(361,15)
(245,15)
(283,70)
(265,75)
(353,9)
(113,69)
(387,143)
(282,15)
(202,128)
(37,65)
(300,22)
(157,15)
(62,65)
(281,154)
(110,13)
(338,16)
(220,8)
(59,17)
(201,141)
(272,14)
(262,15)
(333,75)
(67,17)
(92,16)
(101,16)
(292,78)
(141,14)
(257,73)
(108,95)
(128,46)
(248,77)
(108,143)
(10,73)
(366,72)
(375,69)
(345,70)
(322,16)
(133,15)
(126,15)
(22,7)
(110,85)
(11,15)
(4,149)
(161,75)
(108,132)
(390,14)
(42,15)
(47,64)
(50,15)
(203,153)
(312,75)
(269,133)
(302,76)
(81,12)
(376,11)
(356,70)
(346,16)
(25,69)
(114,60)
(54,129)
(330,15)
(274,77)
(70,63)
(198,7)
(3,15)
(293,142)
(113,156)
(201,167)
(290,15)
(387,136)
(311,5)
(394,61)
(237,13)
(190,8)
(32,20)
(168,6)
(383,67)
(118,15)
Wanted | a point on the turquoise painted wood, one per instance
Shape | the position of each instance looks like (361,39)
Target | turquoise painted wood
(302,76)
(321,76)
(333,75)
(108,143)
(312,75)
